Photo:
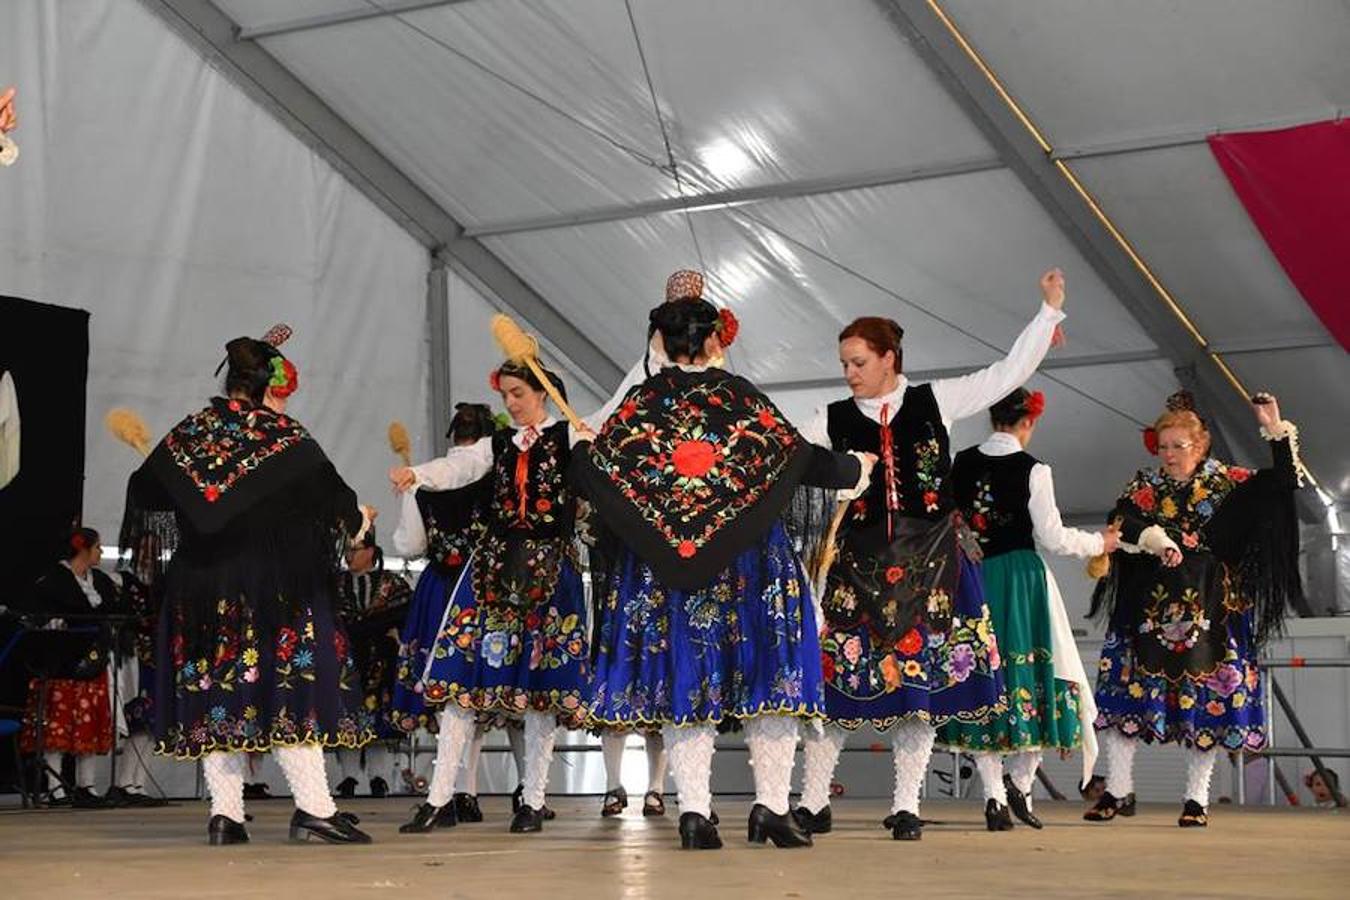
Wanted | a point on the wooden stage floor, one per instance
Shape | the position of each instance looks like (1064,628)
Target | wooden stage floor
(1251,852)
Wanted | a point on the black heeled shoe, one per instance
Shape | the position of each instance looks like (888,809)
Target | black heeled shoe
(467,809)
(527,820)
(1193,815)
(814,823)
(783,830)
(222,830)
(905,826)
(1108,806)
(653,804)
(996,816)
(379,787)
(336,829)
(615,802)
(697,832)
(346,788)
(1017,802)
(429,818)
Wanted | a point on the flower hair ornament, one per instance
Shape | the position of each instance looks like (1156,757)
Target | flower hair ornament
(1035,405)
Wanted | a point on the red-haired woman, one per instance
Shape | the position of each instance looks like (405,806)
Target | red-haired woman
(907,643)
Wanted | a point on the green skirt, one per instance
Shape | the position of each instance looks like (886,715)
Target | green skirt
(1042,709)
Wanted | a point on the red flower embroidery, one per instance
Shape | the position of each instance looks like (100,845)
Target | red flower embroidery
(1239,474)
(686,549)
(543,505)
(894,574)
(1144,499)
(978,522)
(628,410)
(286,641)
(930,499)
(532,621)
(827,666)
(767,419)
(693,459)
(1190,539)
(715,400)
(859,508)
(340,644)
(911,643)
(453,558)
(234,406)
(212,493)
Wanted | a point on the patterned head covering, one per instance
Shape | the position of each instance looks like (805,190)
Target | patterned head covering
(685,284)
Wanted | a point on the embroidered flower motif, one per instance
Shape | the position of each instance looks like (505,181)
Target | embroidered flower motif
(894,574)
(495,647)
(543,505)
(1239,474)
(767,419)
(628,409)
(853,649)
(1144,498)
(1214,708)
(693,459)
(1168,508)
(212,493)
(962,662)
(827,666)
(890,673)
(911,643)
(1224,681)
(287,640)
(686,549)
(1190,539)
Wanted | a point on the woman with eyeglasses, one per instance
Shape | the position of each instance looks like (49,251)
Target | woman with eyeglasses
(1208,562)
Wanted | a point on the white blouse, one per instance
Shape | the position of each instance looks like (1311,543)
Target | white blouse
(965,395)
(1047,525)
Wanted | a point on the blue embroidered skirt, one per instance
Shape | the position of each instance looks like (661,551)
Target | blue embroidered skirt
(511,658)
(1220,710)
(417,637)
(744,645)
(926,674)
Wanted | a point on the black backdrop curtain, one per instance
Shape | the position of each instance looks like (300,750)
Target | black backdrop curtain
(45,349)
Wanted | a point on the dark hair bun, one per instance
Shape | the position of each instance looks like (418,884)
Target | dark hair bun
(249,361)
(684,326)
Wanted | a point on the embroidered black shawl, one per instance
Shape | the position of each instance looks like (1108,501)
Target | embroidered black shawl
(691,470)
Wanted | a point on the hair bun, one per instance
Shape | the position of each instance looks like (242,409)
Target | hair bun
(1181,400)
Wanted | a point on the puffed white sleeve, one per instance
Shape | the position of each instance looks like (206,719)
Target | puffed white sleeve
(967,395)
(1049,528)
(458,468)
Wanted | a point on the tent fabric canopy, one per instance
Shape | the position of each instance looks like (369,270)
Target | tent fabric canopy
(846,180)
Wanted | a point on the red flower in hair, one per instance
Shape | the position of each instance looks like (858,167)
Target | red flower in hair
(1151,440)
(285,379)
(728,326)
(495,380)
(1035,404)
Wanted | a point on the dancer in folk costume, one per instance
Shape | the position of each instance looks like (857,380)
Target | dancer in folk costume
(513,638)
(1179,663)
(251,655)
(1007,497)
(907,643)
(706,612)
(373,603)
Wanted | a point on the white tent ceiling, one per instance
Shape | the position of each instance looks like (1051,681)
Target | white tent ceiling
(846,176)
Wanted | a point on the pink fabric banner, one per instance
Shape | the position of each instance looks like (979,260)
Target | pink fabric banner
(1295,184)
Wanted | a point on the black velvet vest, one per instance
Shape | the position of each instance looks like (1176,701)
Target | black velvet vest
(992,493)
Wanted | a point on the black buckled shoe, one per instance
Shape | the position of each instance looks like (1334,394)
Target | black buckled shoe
(1193,815)
(223,830)
(697,832)
(379,787)
(996,816)
(614,803)
(1108,806)
(429,818)
(653,804)
(814,823)
(905,826)
(467,809)
(783,830)
(85,798)
(1017,802)
(346,788)
(527,820)
(336,829)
